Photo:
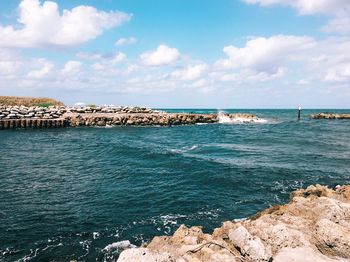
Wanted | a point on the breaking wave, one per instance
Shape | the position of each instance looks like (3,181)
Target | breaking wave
(226,119)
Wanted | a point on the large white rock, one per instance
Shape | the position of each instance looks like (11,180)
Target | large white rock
(143,255)
(249,246)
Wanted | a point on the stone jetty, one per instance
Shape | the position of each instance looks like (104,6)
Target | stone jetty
(314,226)
(330,116)
(139,119)
(63,116)
(53,112)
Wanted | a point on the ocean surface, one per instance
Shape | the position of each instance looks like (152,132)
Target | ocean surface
(71,193)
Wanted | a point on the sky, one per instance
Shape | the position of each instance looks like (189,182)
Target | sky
(178,53)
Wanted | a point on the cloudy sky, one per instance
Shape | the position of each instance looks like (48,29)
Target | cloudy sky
(178,53)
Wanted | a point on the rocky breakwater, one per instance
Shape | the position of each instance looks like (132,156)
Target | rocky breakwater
(153,117)
(23,112)
(57,116)
(32,117)
(313,226)
(53,112)
(138,119)
(62,116)
(330,116)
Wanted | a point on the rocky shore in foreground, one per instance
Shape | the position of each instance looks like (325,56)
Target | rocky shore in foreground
(313,226)
(62,116)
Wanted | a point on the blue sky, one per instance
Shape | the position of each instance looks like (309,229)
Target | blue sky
(217,54)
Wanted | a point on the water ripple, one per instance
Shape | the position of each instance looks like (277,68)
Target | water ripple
(68,193)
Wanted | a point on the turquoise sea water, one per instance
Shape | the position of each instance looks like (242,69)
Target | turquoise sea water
(69,193)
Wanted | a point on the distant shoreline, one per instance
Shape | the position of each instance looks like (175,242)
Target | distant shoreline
(65,116)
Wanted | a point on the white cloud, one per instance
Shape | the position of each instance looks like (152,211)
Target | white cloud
(103,58)
(280,57)
(126,41)
(42,25)
(339,25)
(265,54)
(119,57)
(89,56)
(328,62)
(107,63)
(338,9)
(265,59)
(250,75)
(304,82)
(340,73)
(200,83)
(10,63)
(307,7)
(189,73)
(46,68)
(8,67)
(163,55)
(131,68)
(98,67)
(277,64)
(72,68)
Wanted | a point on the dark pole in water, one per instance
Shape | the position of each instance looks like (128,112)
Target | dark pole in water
(299,113)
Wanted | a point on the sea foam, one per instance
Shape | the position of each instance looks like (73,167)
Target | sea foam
(226,119)
(119,245)
(184,149)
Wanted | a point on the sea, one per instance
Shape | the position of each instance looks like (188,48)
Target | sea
(85,194)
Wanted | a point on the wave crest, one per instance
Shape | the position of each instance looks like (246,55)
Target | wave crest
(239,119)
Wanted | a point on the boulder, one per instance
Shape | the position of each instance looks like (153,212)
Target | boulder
(313,226)
(251,247)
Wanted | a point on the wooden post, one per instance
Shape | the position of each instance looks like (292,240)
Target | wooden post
(299,113)
(29,123)
(23,123)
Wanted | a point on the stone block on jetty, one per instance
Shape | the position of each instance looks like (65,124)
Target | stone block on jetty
(313,226)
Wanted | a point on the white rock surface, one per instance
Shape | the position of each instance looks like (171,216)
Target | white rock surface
(313,227)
